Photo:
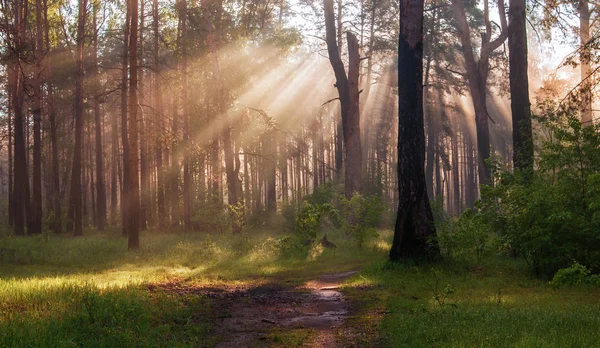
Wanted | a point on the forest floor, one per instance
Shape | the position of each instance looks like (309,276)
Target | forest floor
(198,290)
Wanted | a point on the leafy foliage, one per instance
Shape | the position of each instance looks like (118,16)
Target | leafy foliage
(550,217)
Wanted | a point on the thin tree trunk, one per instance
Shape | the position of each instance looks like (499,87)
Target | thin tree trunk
(134,190)
(75,202)
(585,57)
(100,189)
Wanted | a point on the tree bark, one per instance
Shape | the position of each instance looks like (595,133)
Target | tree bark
(414,222)
(36,202)
(125,185)
(477,75)
(134,189)
(585,57)
(519,87)
(158,105)
(100,188)
(347,86)
(75,199)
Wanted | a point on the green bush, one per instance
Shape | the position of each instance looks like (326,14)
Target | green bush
(576,274)
(467,238)
(550,217)
(361,217)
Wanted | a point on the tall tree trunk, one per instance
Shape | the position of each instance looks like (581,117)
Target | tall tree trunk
(75,202)
(414,223)
(519,86)
(134,189)
(36,203)
(55,191)
(347,86)
(477,75)
(160,123)
(125,185)
(187,175)
(222,111)
(584,37)
(100,189)
(145,194)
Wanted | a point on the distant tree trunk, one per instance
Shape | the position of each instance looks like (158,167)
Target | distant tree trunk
(158,105)
(347,86)
(477,75)
(145,199)
(55,191)
(36,203)
(125,185)
(134,190)
(187,175)
(212,40)
(11,198)
(414,223)
(100,189)
(519,86)
(585,57)
(75,201)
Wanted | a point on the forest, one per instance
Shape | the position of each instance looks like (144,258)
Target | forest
(299,173)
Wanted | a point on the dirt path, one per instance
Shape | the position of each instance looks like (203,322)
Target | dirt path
(273,314)
(317,305)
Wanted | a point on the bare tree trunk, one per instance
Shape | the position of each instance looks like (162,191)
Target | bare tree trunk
(187,176)
(55,191)
(75,202)
(134,190)
(125,185)
(158,105)
(212,40)
(584,36)
(414,223)
(519,86)
(36,203)
(100,189)
(477,74)
(347,86)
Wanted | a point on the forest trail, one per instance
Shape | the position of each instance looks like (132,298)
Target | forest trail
(272,314)
(317,306)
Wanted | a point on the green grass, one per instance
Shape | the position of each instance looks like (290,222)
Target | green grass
(90,291)
(497,305)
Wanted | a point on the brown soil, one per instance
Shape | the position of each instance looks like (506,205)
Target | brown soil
(246,316)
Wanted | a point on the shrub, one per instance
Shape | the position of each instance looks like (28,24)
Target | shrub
(361,217)
(550,217)
(466,239)
(576,274)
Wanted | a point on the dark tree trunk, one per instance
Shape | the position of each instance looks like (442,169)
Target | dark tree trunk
(36,202)
(100,189)
(134,190)
(519,86)
(55,191)
(160,182)
(125,184)
(75,201)
(414,223)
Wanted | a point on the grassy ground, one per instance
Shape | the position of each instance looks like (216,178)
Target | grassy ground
(90,291)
